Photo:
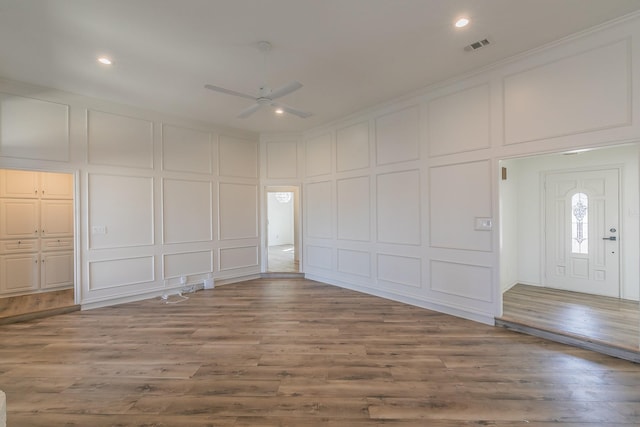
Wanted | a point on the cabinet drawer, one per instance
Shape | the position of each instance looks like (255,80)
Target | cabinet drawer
(53,244)
(18,246)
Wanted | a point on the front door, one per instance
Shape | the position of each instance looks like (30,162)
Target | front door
(582,231)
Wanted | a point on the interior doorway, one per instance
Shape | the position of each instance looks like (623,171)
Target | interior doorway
(551,276)
(37,243)
(282,237)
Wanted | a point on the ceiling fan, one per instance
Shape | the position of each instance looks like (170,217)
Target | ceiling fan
(266,96)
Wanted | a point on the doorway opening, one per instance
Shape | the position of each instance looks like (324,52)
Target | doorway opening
(37,244)
(560,269)
(282,237)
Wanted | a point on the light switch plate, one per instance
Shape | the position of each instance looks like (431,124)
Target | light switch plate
(483,224)
(98,229)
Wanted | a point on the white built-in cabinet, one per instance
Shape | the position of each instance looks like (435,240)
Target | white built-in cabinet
(36,231)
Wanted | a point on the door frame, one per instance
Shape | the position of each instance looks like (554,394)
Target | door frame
(297,225)
(543,223)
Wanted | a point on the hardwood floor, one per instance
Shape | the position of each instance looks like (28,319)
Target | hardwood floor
(606,320)
(300,353)
(31,306)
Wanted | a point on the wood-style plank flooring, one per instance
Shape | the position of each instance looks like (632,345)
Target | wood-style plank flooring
(607,320)
(299,353)
(31,306)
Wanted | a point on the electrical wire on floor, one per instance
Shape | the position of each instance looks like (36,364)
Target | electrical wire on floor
(166,298)
(187,289)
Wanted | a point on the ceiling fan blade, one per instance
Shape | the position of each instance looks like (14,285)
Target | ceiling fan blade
(291,110)
(249,111)
(285,90)
(229,92)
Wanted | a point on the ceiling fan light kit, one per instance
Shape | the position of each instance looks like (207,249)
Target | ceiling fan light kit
(266,97)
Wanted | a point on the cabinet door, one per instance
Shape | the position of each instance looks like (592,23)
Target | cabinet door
(56,218)
(56,185)
(18,219)
(19,184)
(57,270)
(18,272)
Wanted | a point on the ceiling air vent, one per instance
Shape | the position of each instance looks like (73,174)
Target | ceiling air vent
(477,45)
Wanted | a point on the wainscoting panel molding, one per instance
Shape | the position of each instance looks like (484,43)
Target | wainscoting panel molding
(119,140)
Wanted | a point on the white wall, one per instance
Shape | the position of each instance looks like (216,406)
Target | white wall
(392,195)
(527,177)
(174,197)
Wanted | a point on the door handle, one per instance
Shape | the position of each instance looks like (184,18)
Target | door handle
(610,238)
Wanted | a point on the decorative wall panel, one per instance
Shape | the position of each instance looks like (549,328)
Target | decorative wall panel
(120,211)
(398,136)
(352,147)
(319,256)
(354,262)
(576,94)
(398,207)
(282,160)
(463,280)
(33,129)
(459,122)
(231,258)
(120,272)
(187,263)
(318,155)
(186,211)
(319,209)
(459,194)
(186,150)
(354,209)
(237,157)
(400,269)
(238,207)
(120,140)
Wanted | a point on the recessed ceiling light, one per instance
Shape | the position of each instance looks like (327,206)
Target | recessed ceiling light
(462,22)
(279,111)
(104,60)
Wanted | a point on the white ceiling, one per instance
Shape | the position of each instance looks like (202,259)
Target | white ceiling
(348,54)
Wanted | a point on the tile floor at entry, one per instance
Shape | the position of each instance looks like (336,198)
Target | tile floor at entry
(281,259)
